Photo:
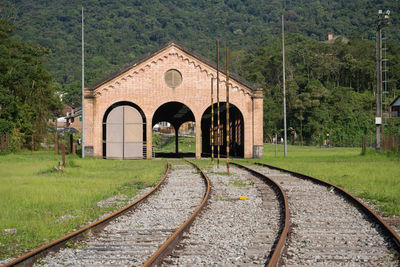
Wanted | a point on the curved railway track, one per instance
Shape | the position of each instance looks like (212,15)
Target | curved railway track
(169,245)
(277,248)
(119,238)
(330,226)
(233,231)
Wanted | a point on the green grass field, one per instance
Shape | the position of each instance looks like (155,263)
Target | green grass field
(34,197)
(373,176)
(185,144)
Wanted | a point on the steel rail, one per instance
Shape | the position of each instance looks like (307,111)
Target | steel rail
(29,258)
(171,242)
(378,219)
(278,247)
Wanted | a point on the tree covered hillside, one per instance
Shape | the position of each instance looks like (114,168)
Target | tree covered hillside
(118,32)
(330,84)
(330,88)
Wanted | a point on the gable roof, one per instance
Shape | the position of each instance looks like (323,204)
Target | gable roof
(184,49)
(396,102)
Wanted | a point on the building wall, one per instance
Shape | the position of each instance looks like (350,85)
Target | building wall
(144,86)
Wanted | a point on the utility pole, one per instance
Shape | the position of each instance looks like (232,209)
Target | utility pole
(383,20)
(83,89)
(284,86)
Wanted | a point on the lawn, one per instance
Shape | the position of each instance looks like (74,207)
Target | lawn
(373,176)
(185,144)
(43,204)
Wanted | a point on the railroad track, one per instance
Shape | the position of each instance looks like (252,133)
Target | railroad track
(233,231)
(328,226)
(331,227)
(142,233)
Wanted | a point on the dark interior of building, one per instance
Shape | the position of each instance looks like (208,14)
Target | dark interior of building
(236,131)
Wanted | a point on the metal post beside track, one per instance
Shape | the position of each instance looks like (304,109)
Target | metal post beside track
(227,110)
(63,154)
(56,144)
(212,121)
(218,121)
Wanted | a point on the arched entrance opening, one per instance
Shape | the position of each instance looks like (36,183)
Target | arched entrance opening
(236,127)
(176,114)
(124,132)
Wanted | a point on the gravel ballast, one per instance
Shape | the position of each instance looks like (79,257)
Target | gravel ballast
(328,230)
(133,237)
(230,231)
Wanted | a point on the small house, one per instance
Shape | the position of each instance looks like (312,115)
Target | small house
(395,107)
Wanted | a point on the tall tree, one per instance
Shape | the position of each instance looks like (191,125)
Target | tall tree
(27,91)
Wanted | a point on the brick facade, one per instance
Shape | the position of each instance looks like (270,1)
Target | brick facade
(143,84)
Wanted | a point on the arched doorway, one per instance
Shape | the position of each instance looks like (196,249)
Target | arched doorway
(176,114)
(236,127)
(124,132)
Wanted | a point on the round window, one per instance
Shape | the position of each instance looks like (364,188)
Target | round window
(173,78)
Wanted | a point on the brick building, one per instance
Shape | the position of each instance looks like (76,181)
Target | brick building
(172,85)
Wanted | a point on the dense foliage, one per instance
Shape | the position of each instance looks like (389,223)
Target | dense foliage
(330,87)
(27,90)
(118,32)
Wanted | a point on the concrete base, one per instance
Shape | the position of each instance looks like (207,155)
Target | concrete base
(89,151)
(258,151)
